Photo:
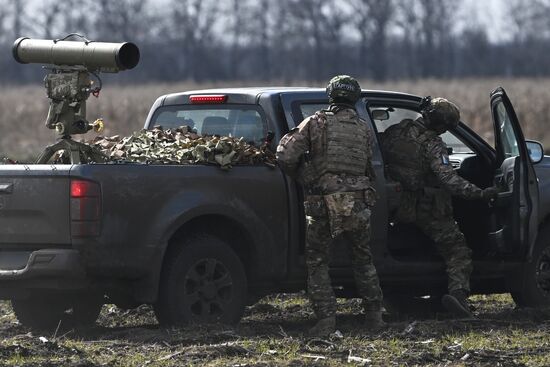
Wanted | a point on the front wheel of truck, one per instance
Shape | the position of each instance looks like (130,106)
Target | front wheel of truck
(48,311)
(536,275)
(203,282)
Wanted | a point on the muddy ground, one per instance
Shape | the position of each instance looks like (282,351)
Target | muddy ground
(272,333)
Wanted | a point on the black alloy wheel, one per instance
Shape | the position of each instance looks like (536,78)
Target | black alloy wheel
(203,282)
(207,289)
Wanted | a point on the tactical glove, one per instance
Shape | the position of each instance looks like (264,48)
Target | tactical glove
(489,194)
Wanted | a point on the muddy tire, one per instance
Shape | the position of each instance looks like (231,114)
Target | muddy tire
(536,277)
(203,282)
(44,311)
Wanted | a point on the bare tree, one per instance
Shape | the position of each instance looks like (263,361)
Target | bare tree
(263,15)
(18,14)
(122,19)
(289,40)
(318,25)
(428,27)
(372,18)
(192,25)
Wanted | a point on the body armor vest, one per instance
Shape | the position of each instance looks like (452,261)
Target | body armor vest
(345,149)
(402,147)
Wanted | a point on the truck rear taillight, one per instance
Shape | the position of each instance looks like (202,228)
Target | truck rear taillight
(85,208)
(208,98)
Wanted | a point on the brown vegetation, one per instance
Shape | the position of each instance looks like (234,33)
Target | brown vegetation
(124,108)
(272,333)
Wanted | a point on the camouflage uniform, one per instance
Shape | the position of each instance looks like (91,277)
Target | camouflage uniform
(417,158)
(336,202)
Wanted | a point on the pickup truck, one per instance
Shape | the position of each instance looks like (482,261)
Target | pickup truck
(200,243)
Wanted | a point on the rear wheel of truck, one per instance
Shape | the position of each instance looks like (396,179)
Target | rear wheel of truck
(48,311)
(203,282)
(536,276)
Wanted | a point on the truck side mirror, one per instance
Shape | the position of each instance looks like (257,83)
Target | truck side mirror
(535,150)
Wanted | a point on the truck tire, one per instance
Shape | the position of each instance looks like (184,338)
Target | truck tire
(46,311)
(536,275)
(203,282)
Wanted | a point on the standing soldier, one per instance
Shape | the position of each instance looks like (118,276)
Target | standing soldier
(330,154)
(417,157)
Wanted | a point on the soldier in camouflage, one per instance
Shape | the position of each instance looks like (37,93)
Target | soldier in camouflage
(330,154)
(417,157)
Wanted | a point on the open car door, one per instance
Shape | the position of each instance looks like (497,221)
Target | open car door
(517,206)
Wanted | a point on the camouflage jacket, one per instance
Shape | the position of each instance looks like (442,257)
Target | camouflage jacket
(303,143)
(417,157)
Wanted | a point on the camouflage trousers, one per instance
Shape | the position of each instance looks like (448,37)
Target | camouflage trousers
(432,212)
(356,229)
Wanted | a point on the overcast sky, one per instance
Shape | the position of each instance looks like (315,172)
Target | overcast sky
(490,13)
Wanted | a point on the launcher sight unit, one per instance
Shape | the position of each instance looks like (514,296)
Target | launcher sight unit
(71,65)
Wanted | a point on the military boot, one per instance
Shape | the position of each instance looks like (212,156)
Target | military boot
(373,316)
(323,327)
(456,303)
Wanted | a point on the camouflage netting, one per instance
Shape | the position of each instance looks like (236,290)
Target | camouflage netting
(182,146)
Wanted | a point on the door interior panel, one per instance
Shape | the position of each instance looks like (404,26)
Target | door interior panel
(506,208)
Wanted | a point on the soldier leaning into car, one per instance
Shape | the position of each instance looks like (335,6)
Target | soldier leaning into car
(416,156)
(337,179)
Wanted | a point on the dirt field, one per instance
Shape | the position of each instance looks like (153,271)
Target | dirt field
(272,334)
(124,108)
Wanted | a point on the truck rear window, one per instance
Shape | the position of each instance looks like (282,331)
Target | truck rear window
(240,121)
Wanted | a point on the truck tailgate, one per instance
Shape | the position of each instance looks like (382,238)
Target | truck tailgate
(34,205)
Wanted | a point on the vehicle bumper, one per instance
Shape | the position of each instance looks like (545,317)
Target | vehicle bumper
(46,263)
(47,269)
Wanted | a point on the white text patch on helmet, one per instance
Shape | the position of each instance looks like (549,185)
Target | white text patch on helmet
(344,86)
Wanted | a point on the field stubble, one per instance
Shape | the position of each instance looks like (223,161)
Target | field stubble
(272,333)
(23,109)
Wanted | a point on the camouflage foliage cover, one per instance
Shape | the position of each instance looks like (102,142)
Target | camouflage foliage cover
(182,146)
(173,146)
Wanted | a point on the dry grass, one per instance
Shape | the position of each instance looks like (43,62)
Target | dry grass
(272,333)
(124,108)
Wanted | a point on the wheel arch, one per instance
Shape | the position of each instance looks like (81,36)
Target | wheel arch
(226,228)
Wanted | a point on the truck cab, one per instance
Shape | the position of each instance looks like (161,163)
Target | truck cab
(508,251)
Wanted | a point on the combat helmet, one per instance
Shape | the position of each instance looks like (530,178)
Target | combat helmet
(439,114)
(343,89)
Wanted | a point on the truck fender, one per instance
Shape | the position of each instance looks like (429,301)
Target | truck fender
(189,207)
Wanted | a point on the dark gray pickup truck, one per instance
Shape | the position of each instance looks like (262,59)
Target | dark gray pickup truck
(200,243)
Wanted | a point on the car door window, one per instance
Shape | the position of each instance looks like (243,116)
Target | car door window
(397,115)
(505,131)
(308,109)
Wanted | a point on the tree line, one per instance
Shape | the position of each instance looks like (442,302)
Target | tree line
(291,40)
